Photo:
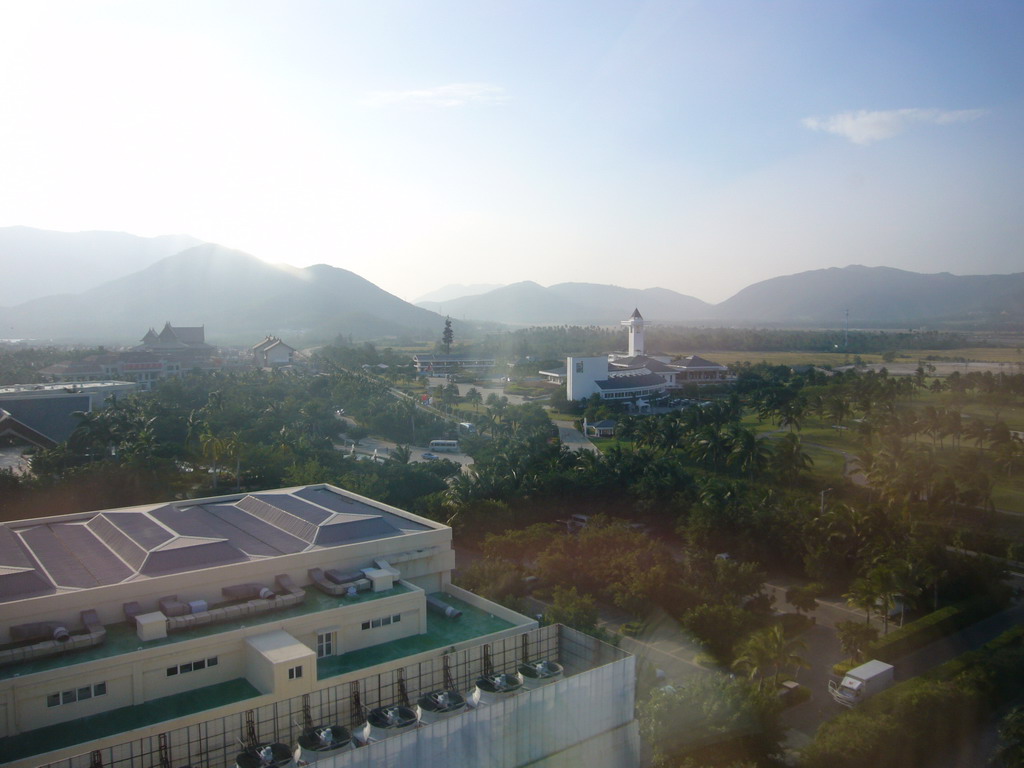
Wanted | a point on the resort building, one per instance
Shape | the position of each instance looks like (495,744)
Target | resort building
(272,352)
(230,630)
(634,376)
(445,365)
(159,356)
(42,414)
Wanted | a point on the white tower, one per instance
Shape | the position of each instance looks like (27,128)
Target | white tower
(636,333)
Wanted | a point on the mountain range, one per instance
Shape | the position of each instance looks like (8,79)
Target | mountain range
(240,298)
(38,262)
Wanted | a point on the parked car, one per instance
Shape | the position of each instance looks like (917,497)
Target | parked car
(430,457)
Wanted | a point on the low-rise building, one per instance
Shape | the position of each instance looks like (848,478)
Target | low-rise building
(272,352)
(42,414)
(179,633)
(446,365)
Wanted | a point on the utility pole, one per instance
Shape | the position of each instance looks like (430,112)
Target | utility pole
(846,332)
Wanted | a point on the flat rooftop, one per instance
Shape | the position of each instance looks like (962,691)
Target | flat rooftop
(57,389)
(115,721)
(78,552)
(122,638)
(442,632)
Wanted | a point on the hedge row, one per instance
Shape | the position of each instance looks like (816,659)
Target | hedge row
(930,715)
(925,630)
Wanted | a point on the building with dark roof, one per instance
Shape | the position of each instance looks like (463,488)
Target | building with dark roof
(45,412)
(178,633)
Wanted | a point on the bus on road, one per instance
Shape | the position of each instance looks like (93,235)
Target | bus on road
(448,446)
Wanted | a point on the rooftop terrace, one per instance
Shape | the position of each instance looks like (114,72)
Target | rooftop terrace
(115,721)
(122,638)
(441,633)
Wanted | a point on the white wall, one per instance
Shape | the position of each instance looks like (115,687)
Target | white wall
(582,373)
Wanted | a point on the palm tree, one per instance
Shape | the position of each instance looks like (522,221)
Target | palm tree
(748,452)
(474,398)
(711,447)
(213,448)
(977,431)
(769,649)
(671,433)
(887,586)
(864,595)
(400,454)
(789,460)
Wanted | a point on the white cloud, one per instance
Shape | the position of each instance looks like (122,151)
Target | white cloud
(451,95)
(865,126)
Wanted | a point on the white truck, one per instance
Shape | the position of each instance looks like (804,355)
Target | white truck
(861,682)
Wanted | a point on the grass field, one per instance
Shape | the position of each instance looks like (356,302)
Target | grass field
(835,359)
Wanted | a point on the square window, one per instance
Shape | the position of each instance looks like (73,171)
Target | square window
(172,671)
(375,623)
(53,700)
(212,661)
(67,697)
(100,689)
(385,621)
(85,693)
(186,667)
(366,625)
(294,673)
(201,664)
(396,618)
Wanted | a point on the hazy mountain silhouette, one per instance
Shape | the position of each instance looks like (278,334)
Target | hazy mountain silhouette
(240,298)
(38,262)
(528,303)
(878,297)
(454,291)
(235,295)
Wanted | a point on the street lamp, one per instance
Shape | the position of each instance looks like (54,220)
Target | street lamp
(827,490)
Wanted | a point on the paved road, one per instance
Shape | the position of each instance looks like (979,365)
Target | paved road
(572,438)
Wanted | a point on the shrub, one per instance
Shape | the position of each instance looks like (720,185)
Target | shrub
(925,630)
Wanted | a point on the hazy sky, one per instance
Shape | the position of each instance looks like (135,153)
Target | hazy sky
(697,146)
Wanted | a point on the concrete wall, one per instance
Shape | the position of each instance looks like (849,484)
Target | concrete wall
(581,375)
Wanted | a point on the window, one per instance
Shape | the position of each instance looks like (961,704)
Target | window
(84,693)
(294,673)
(382,622)
(192,666)
(325,644)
